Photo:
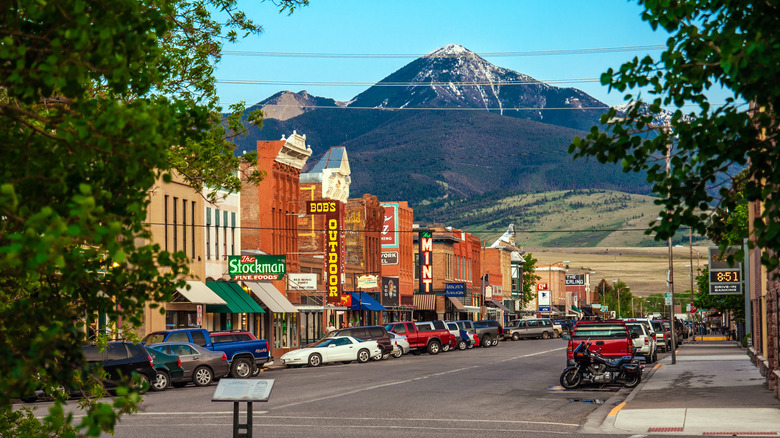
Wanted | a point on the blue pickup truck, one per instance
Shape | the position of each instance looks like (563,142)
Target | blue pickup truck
(245,357)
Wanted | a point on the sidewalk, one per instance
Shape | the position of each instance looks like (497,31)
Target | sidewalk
(713,389)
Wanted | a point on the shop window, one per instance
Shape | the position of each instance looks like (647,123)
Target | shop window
(285,330)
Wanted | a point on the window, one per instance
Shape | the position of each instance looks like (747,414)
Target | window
(92,353)
(341,341)
(175,225)
(224,235)
(208,233)
(376,332)
(216,234)
(165,221)
(192,214)
(233,233)
(184,225)
(198,338)
(400,329)
(116,352)
(178,337)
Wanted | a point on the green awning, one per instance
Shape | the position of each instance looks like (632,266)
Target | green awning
(574,308)
(238,301)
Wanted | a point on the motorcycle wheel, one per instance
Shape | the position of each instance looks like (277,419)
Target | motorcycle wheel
(571,379)
(630,380)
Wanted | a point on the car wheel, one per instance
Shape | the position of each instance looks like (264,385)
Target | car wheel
(515,337)
(486,342)
(143,383)
(256,370)
(386,356)
(378,357)
(363,356)
(241,369)
(434,347)
(495,342)
(654,357)
(445,348)
(202,376)
(462,345)
(315,360)
(398,353)
(161,382)
(545,335)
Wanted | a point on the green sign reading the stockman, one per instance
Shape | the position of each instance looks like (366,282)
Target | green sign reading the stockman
(257,267)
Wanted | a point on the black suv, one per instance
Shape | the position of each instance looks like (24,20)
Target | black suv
(368,333)
(121,359)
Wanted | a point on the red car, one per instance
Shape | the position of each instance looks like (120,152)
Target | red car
(611,339)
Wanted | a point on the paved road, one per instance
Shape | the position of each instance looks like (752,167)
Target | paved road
(507,390)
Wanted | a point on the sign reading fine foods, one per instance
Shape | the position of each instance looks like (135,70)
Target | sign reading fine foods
(334,244)
(426,261)
(257,267)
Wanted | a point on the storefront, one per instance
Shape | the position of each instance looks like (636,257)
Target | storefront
(425,305)
(366,310)
(240,311)
(283,324)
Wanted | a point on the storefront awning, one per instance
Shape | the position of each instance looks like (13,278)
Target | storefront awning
(471,309)
(238,301)
(271,297)
(499,304)
(424,301)
(199,293)
(456,302)
(363,301)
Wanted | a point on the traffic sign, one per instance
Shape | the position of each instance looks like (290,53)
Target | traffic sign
(668,301)
(667,295)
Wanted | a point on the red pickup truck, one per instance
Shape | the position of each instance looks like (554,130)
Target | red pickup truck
(611,338)
(421,338)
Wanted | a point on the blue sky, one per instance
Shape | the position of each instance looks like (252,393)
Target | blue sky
(418,27)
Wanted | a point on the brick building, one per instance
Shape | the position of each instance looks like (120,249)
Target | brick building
(269,216)
(398,263)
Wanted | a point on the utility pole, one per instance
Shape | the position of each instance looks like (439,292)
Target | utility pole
(670,279)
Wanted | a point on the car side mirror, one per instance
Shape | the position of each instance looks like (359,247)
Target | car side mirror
(566,337)
(331,346)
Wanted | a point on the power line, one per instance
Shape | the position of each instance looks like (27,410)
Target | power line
(407,84)
(444,55)
(455,158)
(605,107)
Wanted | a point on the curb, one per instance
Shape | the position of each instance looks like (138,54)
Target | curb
(602,420)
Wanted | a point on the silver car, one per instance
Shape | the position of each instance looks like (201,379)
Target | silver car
(201,365)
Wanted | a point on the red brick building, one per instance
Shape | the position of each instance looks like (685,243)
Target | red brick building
(269,212)
(398,262)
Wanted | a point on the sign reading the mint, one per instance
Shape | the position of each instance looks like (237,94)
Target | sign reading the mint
(257,268)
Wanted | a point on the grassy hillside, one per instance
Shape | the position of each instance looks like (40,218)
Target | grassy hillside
(570,218)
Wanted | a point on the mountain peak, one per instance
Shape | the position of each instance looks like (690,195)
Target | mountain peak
(450,50)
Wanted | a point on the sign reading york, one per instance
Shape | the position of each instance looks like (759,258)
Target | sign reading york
(257,268)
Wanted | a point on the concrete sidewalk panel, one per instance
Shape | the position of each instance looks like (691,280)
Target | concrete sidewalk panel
(640,420)
(737,420)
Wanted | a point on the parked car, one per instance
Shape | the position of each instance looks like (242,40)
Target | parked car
(529,328)
(490,323)
(334,349)
(419,339)
(643,341)
(368,333)
(400,344)
(462,338)
(122,359)
(566,325)
(654,341)
(439,325)
(610,338)
(201,365)
(662,335)
(168,368)
(244,357)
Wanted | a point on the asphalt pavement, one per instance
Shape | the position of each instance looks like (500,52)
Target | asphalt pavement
(713,390)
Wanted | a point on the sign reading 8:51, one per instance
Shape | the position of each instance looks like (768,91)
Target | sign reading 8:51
(725,276)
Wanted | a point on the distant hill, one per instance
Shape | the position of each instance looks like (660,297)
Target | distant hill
(570,218)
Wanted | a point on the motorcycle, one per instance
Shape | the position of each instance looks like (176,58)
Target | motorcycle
(591,367)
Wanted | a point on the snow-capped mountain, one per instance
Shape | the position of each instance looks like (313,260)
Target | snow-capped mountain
(453,76)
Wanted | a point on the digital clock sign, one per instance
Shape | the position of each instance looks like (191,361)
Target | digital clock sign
(730,276)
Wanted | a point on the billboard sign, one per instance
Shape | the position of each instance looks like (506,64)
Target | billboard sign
(389,257)
(724,279)
(390,291)
(389,235)
(296,281)
(334,245)
(257,267)
(575,280)
(544,300)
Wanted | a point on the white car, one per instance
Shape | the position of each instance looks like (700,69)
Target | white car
(643,341)
(400,344)
(342,349)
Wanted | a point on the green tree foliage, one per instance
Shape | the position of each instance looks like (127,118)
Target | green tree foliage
(529,278)
(98,100)
(714,43)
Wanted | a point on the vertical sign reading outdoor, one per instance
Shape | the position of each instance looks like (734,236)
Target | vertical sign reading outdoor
(389,234)
(426,261)
(334,246)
